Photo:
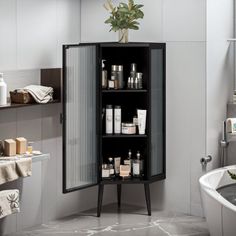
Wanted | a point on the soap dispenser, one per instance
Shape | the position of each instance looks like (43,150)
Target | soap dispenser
(3,91)
(104,75)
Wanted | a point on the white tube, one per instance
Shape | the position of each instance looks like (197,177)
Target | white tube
(142,114)
(117,165)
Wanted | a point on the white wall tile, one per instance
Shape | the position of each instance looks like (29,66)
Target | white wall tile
(220,20)
(36,34)
(185,20)
(93,28)
(30,199)
(50,133)
(7,124)
(220,80)
(68,25)
(21,78)
(29,124)
(8,34)
(151,26)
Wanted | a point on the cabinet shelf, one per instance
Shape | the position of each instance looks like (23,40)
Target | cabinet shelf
(124,181)
(124,136)
(124,91)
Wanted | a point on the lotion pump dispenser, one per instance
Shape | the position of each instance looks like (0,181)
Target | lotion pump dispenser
(3,91)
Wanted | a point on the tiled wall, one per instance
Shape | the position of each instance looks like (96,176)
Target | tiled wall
(193,87)
(41,195)
(32,34)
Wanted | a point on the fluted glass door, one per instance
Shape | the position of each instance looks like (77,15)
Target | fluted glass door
(79,125)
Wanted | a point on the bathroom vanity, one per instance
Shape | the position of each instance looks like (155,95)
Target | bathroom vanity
(87,145)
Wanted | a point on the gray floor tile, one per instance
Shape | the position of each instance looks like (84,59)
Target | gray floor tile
(127,221)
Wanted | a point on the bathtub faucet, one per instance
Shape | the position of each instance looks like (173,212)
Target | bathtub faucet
(205,160)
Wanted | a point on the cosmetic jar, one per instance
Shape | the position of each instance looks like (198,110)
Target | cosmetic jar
(128,128)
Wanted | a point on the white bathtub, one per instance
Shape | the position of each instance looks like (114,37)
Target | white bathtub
(220,213)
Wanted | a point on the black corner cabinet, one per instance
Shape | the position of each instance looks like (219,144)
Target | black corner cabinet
(85,145)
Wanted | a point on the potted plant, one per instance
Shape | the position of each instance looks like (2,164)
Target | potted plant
(123,17)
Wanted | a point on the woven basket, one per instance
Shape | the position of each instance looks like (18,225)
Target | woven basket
(21,97)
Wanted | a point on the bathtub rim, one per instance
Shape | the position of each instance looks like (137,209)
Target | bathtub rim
(211,191)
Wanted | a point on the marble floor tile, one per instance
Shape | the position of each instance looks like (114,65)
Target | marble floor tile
(127,221)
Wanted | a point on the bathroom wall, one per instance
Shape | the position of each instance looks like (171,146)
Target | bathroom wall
(32,34)
(199,76)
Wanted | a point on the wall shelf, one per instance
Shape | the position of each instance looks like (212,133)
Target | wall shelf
(17,105)
(49,77)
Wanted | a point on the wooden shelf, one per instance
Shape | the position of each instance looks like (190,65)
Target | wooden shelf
(124,91)
(17,105)
(124,136)
(49,77)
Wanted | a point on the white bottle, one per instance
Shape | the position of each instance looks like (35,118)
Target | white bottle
(117,121)
(3,91)
(109,119)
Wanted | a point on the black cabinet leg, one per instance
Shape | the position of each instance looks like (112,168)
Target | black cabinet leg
(148,198)
(119,194)
(100,195)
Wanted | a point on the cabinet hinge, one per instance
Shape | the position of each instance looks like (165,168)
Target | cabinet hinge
(61,118)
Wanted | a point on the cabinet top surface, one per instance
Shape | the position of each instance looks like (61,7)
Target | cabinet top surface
(116,44)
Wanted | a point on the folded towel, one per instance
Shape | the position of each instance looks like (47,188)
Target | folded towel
(24,167)
(9,202)
(8,172)
(41,94)
(12,168)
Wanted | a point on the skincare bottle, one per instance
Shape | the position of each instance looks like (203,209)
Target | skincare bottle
(136,167)
(140,80)
(117,165)
(109,119)
(141,162)
(3,91)
(117,121)
(136,83)
(128,161)
(131,82)
(133,70)
(111,167)
(105,171)
(104,75)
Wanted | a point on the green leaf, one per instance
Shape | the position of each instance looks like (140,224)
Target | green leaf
(139,6)
(232,175)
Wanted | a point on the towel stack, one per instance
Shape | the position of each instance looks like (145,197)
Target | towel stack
(41,94)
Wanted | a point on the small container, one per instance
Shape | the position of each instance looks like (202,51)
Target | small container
(3,91)
(30,147)
(111,167)
(117,72)
(128,128)
(140,80)
(109,119)
(105,171)
(129,83)
(133,70)
(117,120)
